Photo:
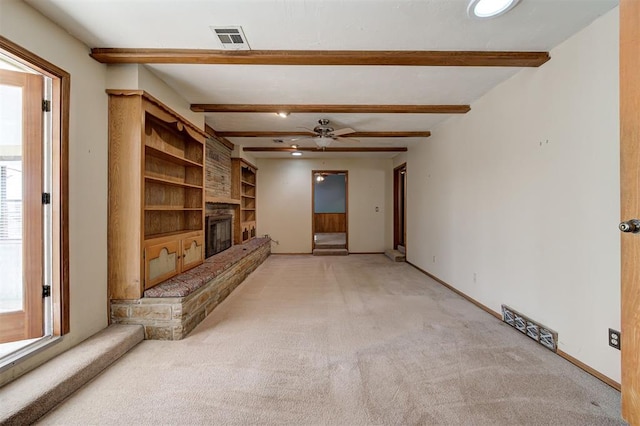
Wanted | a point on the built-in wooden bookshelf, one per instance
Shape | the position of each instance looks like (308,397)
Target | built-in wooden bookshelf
(244,187)
(156,193)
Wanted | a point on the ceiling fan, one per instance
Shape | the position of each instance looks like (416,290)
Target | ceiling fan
(325,134)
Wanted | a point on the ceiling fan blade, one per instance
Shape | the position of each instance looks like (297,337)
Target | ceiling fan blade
(299,139)
(344,131)
(343,139)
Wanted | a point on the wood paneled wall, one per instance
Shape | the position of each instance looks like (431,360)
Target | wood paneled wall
(330,222)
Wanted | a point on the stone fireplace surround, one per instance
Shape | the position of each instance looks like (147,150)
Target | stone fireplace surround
(170,310)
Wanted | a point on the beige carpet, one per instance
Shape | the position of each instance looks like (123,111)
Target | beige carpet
(348,340)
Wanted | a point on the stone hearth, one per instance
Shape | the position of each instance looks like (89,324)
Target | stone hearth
(170,310)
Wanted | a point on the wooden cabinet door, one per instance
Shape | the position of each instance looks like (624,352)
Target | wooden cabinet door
(192,252)
(162,261)
(248,231)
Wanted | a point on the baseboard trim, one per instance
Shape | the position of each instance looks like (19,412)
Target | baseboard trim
(308,254)
(459,293)
(292,254)
(589,370)
(609,381)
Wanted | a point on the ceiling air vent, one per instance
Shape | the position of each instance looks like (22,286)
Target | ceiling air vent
(231,38)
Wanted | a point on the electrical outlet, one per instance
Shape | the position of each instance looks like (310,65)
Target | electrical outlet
(614,338)
(475,277)
(434,259)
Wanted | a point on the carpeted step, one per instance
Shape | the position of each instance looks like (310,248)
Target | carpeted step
(330,252)
(330,246)
(395,255)
(29,397)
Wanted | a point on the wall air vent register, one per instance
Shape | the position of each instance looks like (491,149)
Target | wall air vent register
(536,331)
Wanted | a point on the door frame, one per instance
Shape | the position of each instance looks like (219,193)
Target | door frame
(397,232)
(346,203)
(60,101)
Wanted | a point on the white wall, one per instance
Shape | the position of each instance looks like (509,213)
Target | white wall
(238,152)
(122,76)
(139,77)
(159,89)
(523,191)
(87,171)
(284,202)
(401,158)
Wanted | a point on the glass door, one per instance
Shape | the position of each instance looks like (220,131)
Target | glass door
(21,206)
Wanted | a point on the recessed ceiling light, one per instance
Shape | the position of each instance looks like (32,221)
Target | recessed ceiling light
(296,153)
(278,141)
(294,146)
(282,114)
(490,8)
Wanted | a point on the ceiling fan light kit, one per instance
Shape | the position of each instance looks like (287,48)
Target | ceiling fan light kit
(326,134)
(485,9)
(323,141)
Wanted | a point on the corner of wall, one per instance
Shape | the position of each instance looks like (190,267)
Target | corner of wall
(238,152)
(151,83)
(122,76)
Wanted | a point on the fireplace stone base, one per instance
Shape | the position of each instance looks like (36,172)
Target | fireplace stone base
(170,310)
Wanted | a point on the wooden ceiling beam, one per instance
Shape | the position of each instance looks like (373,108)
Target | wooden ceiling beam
(249,134)
(432,58)
(424,134)
(328,149)
(357,109)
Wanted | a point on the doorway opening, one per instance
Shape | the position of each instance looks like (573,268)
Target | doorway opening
(400,208)
(330,215)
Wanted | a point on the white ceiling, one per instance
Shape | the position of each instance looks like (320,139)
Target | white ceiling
(533,25)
